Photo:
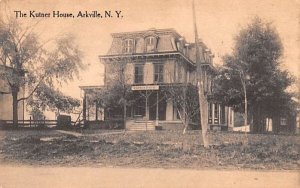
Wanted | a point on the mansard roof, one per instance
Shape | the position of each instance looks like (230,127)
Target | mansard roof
(167,41)
(145,33)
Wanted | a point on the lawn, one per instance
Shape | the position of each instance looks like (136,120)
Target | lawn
(157,149)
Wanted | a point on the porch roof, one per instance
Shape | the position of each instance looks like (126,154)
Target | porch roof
(91,87)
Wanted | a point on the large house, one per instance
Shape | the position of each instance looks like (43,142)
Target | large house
(6,100)
(152,62)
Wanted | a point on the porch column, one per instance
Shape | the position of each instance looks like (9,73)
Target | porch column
(229,124)
(147,109)
(84,108)
(219,111)
(156,120)
(213,113)
(96,106)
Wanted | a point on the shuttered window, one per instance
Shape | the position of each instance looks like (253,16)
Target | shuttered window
(139,74)
(158,73)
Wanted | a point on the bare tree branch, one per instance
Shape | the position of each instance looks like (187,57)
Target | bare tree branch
(32,92)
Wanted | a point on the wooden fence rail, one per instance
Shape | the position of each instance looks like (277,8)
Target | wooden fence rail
(30,123)
(36,123)
(108,124)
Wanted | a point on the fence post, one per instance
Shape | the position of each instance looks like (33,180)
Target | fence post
(29,121)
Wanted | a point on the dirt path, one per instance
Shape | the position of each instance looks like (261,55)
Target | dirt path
(87,177)
(76,134)
(69,133)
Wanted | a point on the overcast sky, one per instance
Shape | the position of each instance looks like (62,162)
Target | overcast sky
(218,22)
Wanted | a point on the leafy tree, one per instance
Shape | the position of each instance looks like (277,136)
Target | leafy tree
(51,99)
(184,97)
(255,62)
(37,67)
(117,93)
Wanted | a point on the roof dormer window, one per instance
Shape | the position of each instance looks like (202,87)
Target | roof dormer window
(128,46)
(150,44)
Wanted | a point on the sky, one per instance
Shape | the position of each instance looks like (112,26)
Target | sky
(218,22)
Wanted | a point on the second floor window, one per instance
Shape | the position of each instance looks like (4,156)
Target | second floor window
(128,46)
(158,73)
(150,44)
(138,74)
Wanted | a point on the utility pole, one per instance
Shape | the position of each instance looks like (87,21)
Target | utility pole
(202,100)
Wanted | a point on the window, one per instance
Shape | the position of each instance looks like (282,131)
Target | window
(205,57)
(158,73)
(222,114)
(283,121)
(216,113)
(179,46)
(230,116)
(205,80)
(210,112)
(128,46)
(210,85)
(138,74)
(150,44)
(179,73)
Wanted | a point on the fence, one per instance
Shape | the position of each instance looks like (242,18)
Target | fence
(30,123)
(37,123)
(44,123)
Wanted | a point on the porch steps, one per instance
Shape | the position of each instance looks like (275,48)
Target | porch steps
(140,126)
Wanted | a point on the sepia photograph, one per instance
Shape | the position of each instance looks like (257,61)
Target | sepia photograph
(149,93)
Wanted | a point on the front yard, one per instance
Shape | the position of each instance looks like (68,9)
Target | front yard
(158,149)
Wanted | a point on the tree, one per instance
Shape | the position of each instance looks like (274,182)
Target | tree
(117,92)
(184,97)
(35,66)
(254,67)
(51,99)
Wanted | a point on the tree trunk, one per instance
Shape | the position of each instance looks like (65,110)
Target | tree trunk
(258,120)
(15,91)
(187,121)
(275,123)
(184,119)
(255,120)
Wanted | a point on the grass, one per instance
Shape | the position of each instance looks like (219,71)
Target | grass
(167,149)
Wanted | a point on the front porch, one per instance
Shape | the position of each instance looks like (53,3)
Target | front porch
(150,111)
(153,107)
